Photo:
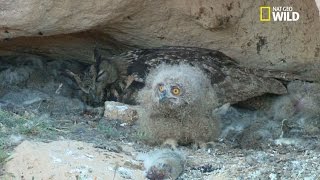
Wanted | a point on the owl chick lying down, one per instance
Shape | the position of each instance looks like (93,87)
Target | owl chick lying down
(178,102)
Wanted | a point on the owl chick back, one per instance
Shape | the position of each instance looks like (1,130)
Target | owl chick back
(186,116)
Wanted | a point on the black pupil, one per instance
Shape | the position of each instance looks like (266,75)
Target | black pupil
(175,90)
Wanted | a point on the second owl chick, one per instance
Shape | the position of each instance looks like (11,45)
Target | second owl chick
(179,101)
(163,164)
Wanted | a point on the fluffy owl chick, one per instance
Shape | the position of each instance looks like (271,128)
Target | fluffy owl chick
(178,100)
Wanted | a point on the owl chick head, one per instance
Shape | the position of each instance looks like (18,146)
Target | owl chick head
(177,85)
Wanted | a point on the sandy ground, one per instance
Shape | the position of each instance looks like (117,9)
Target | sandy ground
(60,160)
(68,159)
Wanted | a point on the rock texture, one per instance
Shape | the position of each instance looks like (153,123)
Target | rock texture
(49,17)
(318,4)
(231,26)
(69,160)
(119,111)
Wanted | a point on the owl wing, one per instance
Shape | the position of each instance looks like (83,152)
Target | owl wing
(232,82)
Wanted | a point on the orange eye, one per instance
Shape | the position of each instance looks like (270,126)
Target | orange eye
(161,88)
(175,91)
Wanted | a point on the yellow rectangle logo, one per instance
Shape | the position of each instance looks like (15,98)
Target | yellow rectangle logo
(265,18)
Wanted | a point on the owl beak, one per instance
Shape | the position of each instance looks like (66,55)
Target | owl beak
(163,96)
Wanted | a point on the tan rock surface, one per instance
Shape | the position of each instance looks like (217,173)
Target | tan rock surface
(318,4)
(50,17)
(231,26)
(119,111)
(61,160)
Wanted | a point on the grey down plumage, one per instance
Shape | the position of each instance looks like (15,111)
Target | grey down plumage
(178,101)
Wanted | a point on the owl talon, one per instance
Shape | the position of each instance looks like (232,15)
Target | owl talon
(170,144)
(205,146)
(198,145)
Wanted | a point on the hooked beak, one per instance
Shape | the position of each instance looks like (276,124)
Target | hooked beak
(163,96)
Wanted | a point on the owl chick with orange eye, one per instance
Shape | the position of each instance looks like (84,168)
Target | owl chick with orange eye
(179,100)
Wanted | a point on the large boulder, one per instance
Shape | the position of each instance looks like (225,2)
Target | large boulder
(231,26)
(51,17)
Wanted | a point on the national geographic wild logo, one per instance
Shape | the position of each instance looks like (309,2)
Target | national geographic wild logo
(278,13)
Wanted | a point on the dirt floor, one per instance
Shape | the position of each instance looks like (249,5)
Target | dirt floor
(47,132)
(66,159)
